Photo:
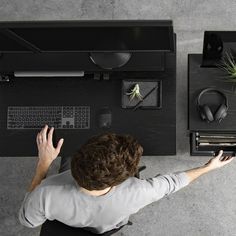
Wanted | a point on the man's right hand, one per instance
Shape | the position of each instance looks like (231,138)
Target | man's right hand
(218,161)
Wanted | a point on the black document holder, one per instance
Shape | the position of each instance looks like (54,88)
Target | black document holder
(152,101)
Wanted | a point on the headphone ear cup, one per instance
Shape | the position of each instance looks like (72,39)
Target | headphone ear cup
(221,112)
(207,112)
(201,112)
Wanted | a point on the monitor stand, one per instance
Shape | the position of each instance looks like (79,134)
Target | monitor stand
(110,60)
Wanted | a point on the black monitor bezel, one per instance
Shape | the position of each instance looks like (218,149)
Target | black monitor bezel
(5,26)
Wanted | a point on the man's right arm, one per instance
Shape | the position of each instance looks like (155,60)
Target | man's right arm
(166,184)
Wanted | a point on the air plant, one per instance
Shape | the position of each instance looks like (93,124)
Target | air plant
(135,92)
(228,65)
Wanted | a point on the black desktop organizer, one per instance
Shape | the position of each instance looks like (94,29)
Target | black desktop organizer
(198,79)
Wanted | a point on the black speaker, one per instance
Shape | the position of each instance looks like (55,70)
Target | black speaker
(213,46)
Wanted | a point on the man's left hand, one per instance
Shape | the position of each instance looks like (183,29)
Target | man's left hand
(46,151)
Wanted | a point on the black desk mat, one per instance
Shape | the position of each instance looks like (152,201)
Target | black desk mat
(153,128)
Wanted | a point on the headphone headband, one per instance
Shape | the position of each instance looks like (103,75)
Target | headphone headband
(212,90)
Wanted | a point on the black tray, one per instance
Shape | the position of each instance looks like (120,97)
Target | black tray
(153,101)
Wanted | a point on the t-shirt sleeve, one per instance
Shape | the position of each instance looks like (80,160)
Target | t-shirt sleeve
(143,192)
(164,185)
(31,213)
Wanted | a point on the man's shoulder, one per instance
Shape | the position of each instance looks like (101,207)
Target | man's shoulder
(64,178)
(54,185)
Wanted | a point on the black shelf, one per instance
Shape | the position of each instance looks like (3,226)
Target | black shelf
(208,150)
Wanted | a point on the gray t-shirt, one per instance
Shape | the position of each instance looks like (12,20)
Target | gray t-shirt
(60,198)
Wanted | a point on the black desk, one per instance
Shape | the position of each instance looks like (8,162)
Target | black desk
(198,79)
(155,129)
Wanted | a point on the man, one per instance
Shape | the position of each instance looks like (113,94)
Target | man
(100,191)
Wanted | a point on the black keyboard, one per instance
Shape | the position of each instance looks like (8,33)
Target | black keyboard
(59,117)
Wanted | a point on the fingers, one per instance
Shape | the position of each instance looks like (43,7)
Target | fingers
(59,145)
(37,139)
(50,134)
(44,133)
(219,154)
(227,158)
(44,138)
(224,158)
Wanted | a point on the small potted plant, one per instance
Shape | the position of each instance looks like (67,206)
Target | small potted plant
(135,93)
(228,65)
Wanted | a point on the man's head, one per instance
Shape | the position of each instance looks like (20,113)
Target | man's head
(106,160)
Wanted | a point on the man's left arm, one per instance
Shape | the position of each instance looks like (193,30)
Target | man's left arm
(31,213)
(46,153)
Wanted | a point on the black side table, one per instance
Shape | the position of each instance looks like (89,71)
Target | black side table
(198,79)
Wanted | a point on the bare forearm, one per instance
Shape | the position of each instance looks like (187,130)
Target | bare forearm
(40,174)
(197,172)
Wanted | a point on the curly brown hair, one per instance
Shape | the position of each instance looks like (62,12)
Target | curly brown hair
(106,160)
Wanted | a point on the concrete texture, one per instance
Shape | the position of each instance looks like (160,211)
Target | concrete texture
(208,206)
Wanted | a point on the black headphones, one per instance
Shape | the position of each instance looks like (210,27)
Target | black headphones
(205,111)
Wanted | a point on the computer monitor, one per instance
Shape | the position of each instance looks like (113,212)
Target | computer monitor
(216,44)
(109,43)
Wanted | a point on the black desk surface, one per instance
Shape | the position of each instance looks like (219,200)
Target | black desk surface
(200,78)
(155,129)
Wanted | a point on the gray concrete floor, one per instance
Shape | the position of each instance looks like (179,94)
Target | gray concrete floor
(208,206)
